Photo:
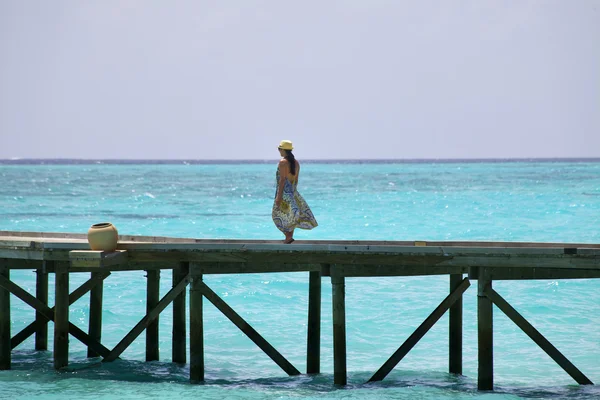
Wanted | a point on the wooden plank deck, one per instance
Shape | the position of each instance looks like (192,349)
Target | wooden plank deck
(506,260)
(190,259)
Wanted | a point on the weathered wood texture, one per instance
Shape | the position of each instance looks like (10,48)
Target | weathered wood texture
(414,338)
(41,293)
(152,299)
(47,314)
(61,318)
(313,342)
(179,348)
(455,331)
(196,327)
(363,258)
(5,347)
(96,259)
(373,262)
(485,349)
(126,239)
(537,337)
(485,261)
(95,318)
(526,273)
(340,373)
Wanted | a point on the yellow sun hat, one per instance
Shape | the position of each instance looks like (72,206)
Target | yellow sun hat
(286,145)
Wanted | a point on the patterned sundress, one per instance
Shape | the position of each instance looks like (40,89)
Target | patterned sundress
(293,212)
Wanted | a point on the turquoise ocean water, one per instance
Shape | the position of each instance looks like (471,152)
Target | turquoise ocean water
(500,201)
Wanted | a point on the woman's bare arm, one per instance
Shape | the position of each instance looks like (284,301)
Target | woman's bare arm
(283,171)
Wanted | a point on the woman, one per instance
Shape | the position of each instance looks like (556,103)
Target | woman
(290,211)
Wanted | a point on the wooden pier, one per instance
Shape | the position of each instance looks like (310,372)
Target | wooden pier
(189,260)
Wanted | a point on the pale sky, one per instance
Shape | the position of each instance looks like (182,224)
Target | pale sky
(139,79)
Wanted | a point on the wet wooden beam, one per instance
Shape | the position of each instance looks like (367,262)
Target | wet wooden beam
(131,266)
(61,318)
(17,263)
(179,338)
(41,293)
(84,338)
(537,337)
(147,320)
(47,314)
(527,273)
(455,334)
(414,338)
(224,267)
(340,375)
(313,345)
(16,253)
(95,318)
(196,326)
(152,299)
(485,349)
(368,269)
(249,331)
(5,347)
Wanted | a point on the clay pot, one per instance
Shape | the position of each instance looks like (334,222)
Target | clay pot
(103,236)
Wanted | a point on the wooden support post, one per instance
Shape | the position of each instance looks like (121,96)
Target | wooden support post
(41,293)
(50,314)
(339,327)
(179,328)
(61,317)
(538,338)
(5,347)
(95,323)
(313,343)
(485,370)
(455,341)
(47,314)
(152,298)
(196,326)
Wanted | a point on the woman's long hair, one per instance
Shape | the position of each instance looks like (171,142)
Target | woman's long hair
(292,160)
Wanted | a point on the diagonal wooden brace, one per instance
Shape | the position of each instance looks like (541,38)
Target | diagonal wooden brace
(48,313)
(413,339)
(248,330)
(73,297)
(147,320)
(537,337)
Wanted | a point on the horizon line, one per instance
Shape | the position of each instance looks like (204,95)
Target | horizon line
(18,160)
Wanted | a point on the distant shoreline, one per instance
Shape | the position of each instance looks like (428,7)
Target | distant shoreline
(74,161)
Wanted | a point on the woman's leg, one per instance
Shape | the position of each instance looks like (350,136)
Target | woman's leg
(289,236)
